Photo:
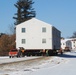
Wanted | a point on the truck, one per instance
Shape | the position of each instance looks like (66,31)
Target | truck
(13,53)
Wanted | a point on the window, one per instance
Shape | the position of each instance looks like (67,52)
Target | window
(44,29)
(43,40)
(73,41)
(23,30)
(23,41)
(74,45)
(63,43)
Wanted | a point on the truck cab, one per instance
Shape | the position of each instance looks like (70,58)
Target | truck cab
(13,53)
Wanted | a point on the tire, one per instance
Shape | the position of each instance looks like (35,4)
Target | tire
(9,56)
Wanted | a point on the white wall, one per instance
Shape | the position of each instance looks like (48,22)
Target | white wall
(73,41)
(34,35)
(66,43)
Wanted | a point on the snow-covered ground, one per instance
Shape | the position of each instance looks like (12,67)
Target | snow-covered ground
(4,59)
(57,65)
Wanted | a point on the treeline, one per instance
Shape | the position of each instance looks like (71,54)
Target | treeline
(7,42)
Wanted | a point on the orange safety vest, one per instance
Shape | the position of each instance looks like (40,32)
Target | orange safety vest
(22,50)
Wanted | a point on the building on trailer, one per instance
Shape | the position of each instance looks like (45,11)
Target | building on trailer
(34,35)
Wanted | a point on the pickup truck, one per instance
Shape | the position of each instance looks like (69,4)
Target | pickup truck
(13,53)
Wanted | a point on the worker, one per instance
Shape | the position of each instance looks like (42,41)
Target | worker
(61,52)
(19,53)
(23,52)
(46,52)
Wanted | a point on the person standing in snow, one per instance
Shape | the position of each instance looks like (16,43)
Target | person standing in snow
(19,53)
(46,52)
(23,52)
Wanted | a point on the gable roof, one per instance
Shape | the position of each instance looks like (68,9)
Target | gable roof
(34,20)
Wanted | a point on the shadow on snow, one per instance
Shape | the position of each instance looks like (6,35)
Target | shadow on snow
(71,55)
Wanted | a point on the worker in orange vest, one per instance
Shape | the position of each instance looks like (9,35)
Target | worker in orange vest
(23,52)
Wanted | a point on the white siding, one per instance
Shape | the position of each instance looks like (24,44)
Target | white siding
(34,35)
(66,43)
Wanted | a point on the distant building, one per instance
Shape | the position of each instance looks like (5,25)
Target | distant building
(35,34)
(73,41)
(68,43)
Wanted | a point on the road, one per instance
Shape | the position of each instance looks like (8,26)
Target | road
(56,65)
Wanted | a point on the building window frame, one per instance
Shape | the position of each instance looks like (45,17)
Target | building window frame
(43,29)
(43,40)
(23,41)
(23,30)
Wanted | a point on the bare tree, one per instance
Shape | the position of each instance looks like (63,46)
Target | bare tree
(11,29)
(7,42)
(74,35)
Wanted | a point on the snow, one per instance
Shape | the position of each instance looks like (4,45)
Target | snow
(57,65)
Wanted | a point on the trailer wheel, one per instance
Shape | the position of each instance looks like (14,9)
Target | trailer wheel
(9,56)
